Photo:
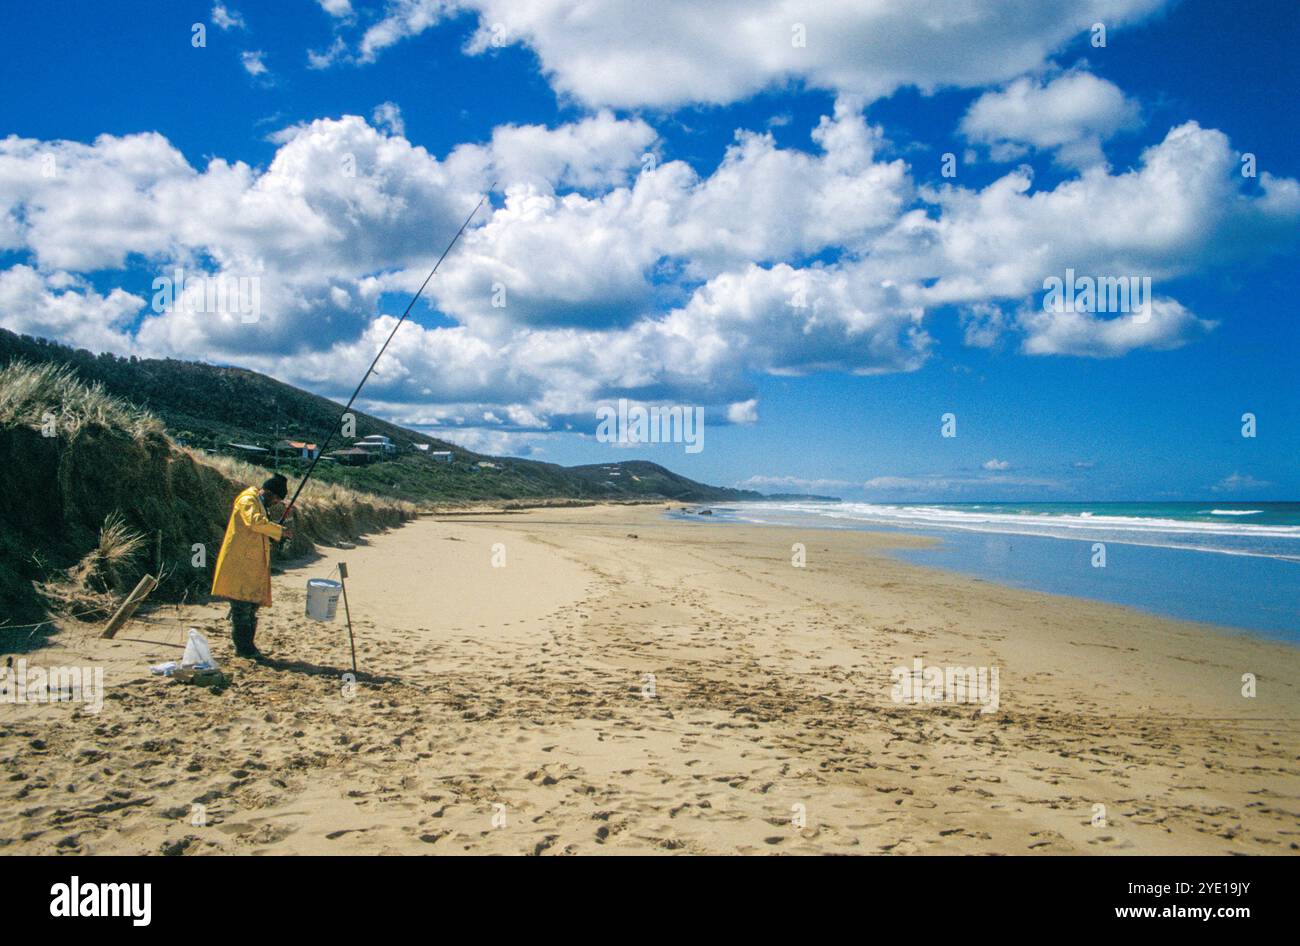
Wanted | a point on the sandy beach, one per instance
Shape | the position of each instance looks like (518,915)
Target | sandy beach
(627,683)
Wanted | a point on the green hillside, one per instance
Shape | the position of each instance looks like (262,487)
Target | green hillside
(207,406)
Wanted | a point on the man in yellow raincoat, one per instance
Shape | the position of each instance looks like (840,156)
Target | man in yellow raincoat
(243,574)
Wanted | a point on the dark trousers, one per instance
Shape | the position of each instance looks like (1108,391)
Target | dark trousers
(243,624)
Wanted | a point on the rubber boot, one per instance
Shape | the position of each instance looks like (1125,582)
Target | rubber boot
(243,625)
(251,649)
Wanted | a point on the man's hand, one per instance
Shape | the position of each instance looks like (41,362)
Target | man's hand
(286,535)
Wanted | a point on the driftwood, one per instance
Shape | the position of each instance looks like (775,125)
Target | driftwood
(147,584)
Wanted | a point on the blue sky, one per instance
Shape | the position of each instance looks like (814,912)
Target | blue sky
(131,151)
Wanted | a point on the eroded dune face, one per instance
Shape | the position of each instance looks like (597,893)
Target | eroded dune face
(67,485)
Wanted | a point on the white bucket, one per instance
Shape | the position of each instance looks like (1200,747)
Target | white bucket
(322,598)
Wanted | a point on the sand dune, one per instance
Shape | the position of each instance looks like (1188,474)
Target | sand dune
(684,690)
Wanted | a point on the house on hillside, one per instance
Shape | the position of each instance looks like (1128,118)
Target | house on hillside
(437,456)
(376,444)
(353,456)
(303,450)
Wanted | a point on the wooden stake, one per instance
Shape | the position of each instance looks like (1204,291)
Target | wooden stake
(343,574)
(147,584)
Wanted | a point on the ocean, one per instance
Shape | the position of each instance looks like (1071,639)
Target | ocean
(1228,563)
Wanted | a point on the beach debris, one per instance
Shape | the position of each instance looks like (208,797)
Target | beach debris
(197,666)
(202,677)
(147,584)
(198,655)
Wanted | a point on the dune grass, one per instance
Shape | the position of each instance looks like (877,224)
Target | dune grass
(33,395)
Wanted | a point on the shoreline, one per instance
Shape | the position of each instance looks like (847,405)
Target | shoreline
(1157,579)
(627,684)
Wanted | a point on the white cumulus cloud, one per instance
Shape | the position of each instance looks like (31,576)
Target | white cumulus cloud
(1072,113)
(594,274)
(671,52)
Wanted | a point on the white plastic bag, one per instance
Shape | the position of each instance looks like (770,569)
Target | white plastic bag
(197,653)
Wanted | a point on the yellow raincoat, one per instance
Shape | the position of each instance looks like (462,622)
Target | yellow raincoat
(244,565)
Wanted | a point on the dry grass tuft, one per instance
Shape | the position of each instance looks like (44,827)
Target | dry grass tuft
(90,590)
(119,547)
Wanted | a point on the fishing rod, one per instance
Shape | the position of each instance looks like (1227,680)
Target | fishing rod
(329,435)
